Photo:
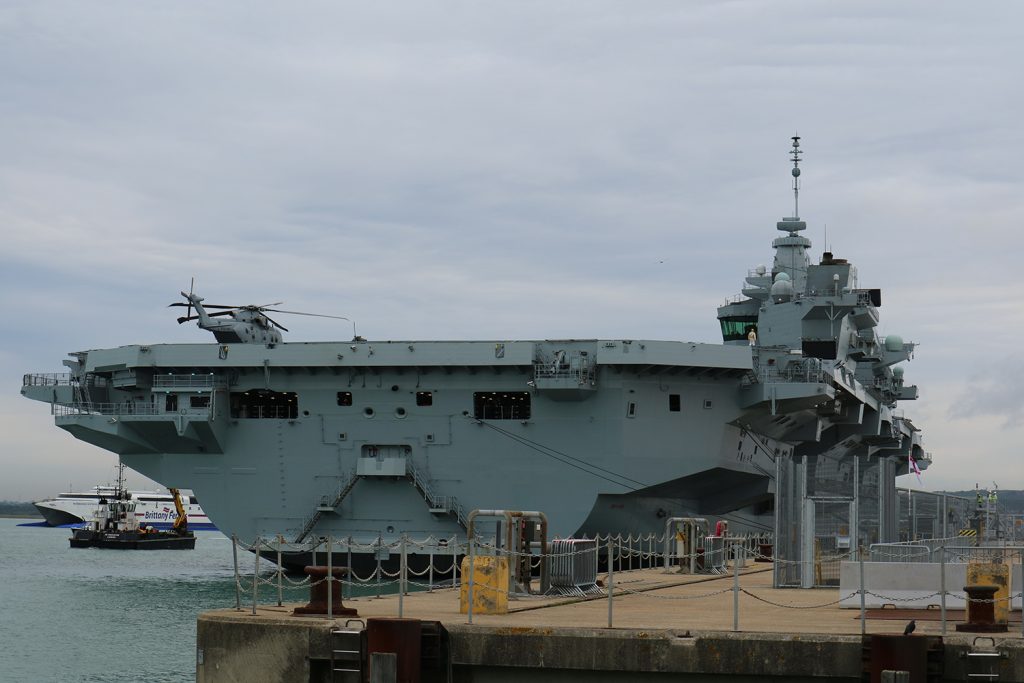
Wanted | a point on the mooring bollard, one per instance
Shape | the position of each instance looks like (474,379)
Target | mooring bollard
(324,595)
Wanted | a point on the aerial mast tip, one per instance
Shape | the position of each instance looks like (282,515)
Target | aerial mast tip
(795,158)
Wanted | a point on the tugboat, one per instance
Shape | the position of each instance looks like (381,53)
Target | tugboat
(115,526)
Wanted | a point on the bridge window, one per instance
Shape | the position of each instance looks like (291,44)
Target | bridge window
(424,398)
(738,327)
(199,401)
(344,398)
(501,405)
(266,404)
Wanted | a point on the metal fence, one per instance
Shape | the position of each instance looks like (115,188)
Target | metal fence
(835,506)
(267,585)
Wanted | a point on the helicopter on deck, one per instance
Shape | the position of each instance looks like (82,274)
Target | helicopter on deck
(243,324)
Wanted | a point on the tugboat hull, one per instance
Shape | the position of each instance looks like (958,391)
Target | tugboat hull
(84,538)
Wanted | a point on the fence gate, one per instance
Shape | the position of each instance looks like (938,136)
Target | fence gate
(826,540)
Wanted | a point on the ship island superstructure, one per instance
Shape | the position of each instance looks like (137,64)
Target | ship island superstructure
(371,439)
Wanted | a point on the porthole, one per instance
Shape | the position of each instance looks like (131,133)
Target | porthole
(368,412)
(305,413)
(400,413)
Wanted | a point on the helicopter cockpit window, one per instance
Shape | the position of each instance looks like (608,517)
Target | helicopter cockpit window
(264,404)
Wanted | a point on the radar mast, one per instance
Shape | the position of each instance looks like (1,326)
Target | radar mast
(795,158)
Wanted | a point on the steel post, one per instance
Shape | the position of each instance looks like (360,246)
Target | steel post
(280,574)
(348,563)
(611,580)
(455,556)
(469,589)
(238,586)
(863,621)
(735,588)
(942,585)
(430,572)
(380,549)
(255,575)
(330,577)
(401,578)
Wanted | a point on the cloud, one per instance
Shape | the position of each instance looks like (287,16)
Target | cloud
(993,391)
(514,170)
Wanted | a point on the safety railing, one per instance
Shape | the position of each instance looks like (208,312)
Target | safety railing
(786,370)
(925,550)
(181,381)
(124,409)
(52,379)
(438,568)
(577,366)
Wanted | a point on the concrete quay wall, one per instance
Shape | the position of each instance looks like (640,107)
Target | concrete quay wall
(493,654)
(232,647)
(236,646)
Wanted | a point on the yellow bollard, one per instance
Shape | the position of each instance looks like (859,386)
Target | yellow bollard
(993,574)
(490,585)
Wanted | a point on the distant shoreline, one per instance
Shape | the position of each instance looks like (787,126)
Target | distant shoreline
(22,515)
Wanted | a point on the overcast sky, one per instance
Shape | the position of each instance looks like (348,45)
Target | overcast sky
(508,170)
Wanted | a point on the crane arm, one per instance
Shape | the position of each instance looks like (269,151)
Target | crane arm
(181,523)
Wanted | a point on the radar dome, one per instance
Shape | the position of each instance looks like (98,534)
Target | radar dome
(783,276)
(761,269)
(894,343)
(782,290)
(897,372)
(796,172)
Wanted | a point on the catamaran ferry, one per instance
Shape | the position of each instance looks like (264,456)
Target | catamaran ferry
(152,508)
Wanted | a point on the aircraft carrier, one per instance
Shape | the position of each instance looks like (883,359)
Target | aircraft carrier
(370,439)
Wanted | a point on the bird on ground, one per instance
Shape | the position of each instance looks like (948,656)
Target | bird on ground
(910,628)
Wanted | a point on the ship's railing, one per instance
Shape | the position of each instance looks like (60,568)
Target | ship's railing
(48,379)
(181,381)
(449,504)
(575,366)
(796,370)
(122,409)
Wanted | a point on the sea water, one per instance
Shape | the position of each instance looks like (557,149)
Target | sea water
(86,614)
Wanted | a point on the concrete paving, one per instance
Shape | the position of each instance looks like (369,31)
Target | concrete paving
(650,599)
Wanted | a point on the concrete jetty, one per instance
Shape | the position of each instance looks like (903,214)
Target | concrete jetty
(662,624)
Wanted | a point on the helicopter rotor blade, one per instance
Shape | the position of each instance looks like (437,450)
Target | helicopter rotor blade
(204,305)
(196,317)
(315,315)
(275,323)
